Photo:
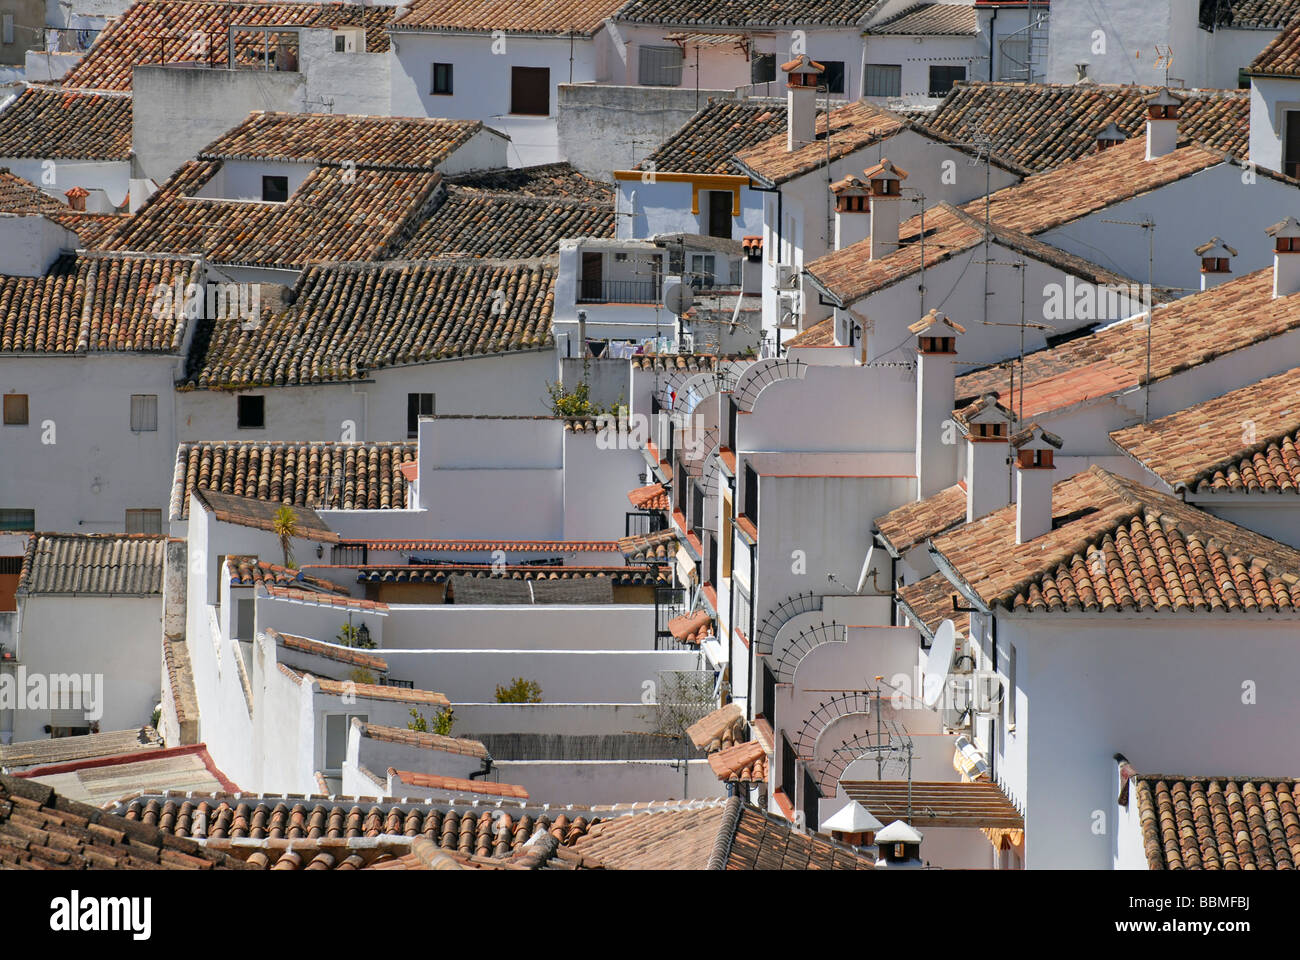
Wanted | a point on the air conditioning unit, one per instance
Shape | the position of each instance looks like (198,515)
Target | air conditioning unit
(957,712)
(987,691)
(789,308)
(686,343)
(787,277)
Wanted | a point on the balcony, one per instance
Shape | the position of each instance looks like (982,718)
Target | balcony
(591,290)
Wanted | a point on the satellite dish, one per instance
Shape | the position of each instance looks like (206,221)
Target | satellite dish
(678,297)
(866,568)
(939,662)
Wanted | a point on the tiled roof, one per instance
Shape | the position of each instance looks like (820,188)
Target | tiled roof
(33,753)
(719,729)
(1244,441)
(106,564)
(929,603)
(1251,14)
(456,786)
(424,741)
(1116,545)
(491,546)
(1042,125)
(336,214)
(22,196)
(40,829)
(52,125)
(104,780)
(551,180)
(349,320)
(694,628)
(92,303)
(346,476)
(449,572)
(331,651)
(651,497)
(684,362)
(1281,57)
(707,141)
(1184,334)
(581,17)
(742,763)
(852,127)
(650,547)
(322,599)
(251,572)
(913,523)
(367,691)
(505,226)
(1219,823)
(263,514)
(739,13)
(388,143)
(821,334)
(163,31)
(931,19)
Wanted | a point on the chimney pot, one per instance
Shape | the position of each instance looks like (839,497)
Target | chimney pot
(1286,257)
(936,460)
(1035,449)
(886,182)
(987,426)
(803,75)
(1216,262)
(77,197)
(1162,123)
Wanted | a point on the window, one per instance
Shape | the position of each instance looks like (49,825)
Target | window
(884,80)
(660,66)
(1009,697)
(17,519)
(336,738)
(1291,144)
(833,78)
(245,608)
(417,405)
(144,521)
(762,69)
(144,412)
(15,409)
(441,79)
(530,91)
(734,271)
(7,24)
(340,43)
(942,78)
(721,203)
(751,494)
(275,189)
(251,412)
(703,269)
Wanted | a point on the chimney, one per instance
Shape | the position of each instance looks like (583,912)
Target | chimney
(1034,449)
(1216,262)
(77,197)
(886,182)
(852,211)
(987,426)
(936,352)
(801,100)
(1162,123)
(1286,257)
(1081,73)
(899,846)
(1112,136)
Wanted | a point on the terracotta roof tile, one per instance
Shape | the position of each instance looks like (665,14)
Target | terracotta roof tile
(425,741)
(555,181)
(931,19)
(1244,441)
(852,128)
(92,303)
(263,515)
(1251,14)
(22,196)
(1281,58)
(346,476)
(650,547)
(820,334)
(1043,125)
(349,320)
(251,572)
(694,628)
(742,763)
(367,691)
(93,563)
(1212,823)
(707,141)
(163,31)
(322,599)
(652,497)
(929,603)
(331,651)
(1184,334)
(739,13)
(457,785)
(491,546)
(719,729)
(914,523)
(514,573)
(55,125)
(582,17)
(1116,545)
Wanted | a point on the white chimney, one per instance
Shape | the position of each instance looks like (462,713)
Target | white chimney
(852,211)
(886,182)
(936,352)
(1034,468)
(804,76)
(1286,257)
(1162,123)
(987,425)
(1216,262)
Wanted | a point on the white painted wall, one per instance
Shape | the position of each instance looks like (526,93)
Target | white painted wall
(615,781)
(60,176)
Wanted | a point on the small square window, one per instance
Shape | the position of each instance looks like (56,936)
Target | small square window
(17,519)
(275,189)
(144,521)
(340,43)
(15,409)
(833,78)
(942,78)
(144,412)
(417,405)
(442,79)
(251,412)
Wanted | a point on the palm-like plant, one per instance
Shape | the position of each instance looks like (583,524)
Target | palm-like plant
(286,528)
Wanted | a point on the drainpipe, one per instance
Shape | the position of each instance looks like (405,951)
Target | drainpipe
(487,768)
(993,32)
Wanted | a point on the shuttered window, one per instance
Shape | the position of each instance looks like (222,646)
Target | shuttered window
(530,91)
(144,521)
(660,66)
(144,412)
(884,80)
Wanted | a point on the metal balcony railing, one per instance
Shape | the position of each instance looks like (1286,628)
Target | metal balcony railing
(617,291)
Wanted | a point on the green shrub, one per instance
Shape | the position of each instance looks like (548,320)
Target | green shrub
(520,691)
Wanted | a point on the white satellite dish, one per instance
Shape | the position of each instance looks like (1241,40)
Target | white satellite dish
(939,662)
(866,569)
(678,297)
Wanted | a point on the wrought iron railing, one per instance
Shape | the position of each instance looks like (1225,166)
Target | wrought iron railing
(617,291)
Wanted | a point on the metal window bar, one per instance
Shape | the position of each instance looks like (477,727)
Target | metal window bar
(617,291)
